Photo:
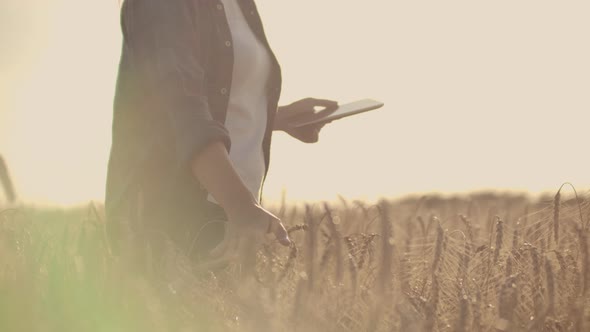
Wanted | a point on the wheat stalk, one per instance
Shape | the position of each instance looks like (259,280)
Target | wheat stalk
(477,314)
(438,248)
(432,305)
(556,210)
(6,182)
(499,237)
(463,317)
(536,289)
(583,238)
(550,286)
(506,303)
(336,239)
(467,222)
(311,246)
(386,248)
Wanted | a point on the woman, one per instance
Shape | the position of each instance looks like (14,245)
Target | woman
(195,107)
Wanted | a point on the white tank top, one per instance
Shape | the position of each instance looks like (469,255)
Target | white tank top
(247,109)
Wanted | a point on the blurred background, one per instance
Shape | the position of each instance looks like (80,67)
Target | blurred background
(478,95)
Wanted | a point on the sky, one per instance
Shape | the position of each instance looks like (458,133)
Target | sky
(478,95)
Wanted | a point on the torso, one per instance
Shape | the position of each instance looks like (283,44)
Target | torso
(246,117)
(143,145)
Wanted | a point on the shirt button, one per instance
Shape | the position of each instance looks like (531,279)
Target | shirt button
(219,6)
(223,91)
(227,43)
(252,12)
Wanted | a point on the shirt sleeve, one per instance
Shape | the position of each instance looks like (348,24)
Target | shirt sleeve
(160,37)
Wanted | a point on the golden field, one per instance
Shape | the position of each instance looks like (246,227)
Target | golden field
(480,262)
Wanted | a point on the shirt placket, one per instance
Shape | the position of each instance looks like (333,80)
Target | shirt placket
(226,53)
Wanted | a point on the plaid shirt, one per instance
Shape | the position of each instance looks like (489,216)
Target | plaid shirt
(171,101)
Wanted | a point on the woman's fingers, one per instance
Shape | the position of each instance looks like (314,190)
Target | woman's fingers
(300,110)
(328,104)
(280,233)
(243,238)
(308,105)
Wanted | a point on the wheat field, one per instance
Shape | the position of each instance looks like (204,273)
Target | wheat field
(480,262)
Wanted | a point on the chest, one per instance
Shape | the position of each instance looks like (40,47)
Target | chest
(214,21)
(215,48)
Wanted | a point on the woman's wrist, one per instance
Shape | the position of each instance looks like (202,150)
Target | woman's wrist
(279,122)
(240,206)
(251,216)
(214,170)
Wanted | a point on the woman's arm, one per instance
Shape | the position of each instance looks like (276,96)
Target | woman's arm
(214,170)
(159,37)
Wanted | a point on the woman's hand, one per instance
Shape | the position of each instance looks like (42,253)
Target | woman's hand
(245,230)
(304,108)
(247,222)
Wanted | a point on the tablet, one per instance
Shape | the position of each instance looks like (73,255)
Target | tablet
(342,111)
